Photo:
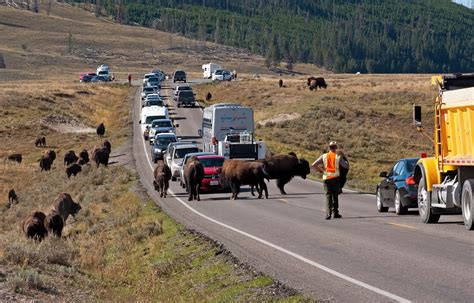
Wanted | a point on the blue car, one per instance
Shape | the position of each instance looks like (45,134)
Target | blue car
(398,188)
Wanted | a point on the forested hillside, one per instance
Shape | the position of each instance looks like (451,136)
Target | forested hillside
(389,36)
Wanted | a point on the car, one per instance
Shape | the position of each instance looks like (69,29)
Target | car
(103,78)
(85,78)
(226,75)
(186,98)
(175,157)
(221,75)
(159,74)
(153,102)
(153,97)
(398,188)
(145,78)
(179,75)
(161,126)
(160,144)
(180,88)
(153,81)
(147,90)
(212,168)
(148,115)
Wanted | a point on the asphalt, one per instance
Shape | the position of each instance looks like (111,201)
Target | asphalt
(364,257)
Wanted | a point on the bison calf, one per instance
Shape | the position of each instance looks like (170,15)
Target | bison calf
(54,223)
(162,176)
(73,170)
(33,226)
(65,206)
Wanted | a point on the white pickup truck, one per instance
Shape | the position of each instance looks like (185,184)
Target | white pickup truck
(242,146)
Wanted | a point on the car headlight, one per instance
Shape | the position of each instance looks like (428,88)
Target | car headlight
(157,150)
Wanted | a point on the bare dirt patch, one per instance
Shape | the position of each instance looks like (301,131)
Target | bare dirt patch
(279,119)
(66,124)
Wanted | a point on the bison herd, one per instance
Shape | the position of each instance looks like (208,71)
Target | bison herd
(236,173)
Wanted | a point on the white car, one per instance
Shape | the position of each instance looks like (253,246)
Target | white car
(176,155)
(149,75)
(221,75)
(147,91)
(153,99)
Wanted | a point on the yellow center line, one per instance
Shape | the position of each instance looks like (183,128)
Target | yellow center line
(402,225)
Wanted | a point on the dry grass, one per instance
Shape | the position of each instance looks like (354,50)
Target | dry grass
(369,115)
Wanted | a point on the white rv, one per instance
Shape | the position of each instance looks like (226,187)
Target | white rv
(149,114)
(228,130)
(208,69)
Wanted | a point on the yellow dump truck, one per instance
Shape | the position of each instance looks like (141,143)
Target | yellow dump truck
(446,181)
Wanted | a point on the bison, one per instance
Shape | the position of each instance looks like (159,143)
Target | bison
(73,170)
(83,157)
(342,172)
(236,173)
(40,141)
(100,130)
(208,96)
(162,176)
(283,168)
(314,83)
(193,175)
(54,223)
(100,155)
(33,226)
(15,158)
(45,163)
(52,154)
(12,197)
(280,83)
(70,157)
(65,206)
(107,145)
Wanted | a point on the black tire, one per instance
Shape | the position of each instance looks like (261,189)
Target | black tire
(400,210)
(467,204)
(424,204)
(380,207)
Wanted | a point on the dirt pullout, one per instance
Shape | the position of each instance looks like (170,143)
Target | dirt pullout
(66,124)
(279,119)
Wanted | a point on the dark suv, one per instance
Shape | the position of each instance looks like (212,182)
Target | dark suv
(179,75)
(186,98)
(161,144)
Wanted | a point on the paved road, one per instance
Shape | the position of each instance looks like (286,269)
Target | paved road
(363,257)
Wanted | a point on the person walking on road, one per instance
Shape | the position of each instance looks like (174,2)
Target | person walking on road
(129,79)
(329,165)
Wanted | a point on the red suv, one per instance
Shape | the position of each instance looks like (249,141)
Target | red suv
(212,169)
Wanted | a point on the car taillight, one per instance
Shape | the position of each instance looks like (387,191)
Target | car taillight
(214,141)
(410,181)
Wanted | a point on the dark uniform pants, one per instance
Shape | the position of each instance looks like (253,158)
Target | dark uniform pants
(332,189)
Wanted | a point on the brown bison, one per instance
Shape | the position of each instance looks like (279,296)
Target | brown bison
(236,173)
(280,83)
(70,157)
(45,163)
(100,130)
(193,175)
(12,197)
(52,154)
(65,206)
(100,155)
(107,145)
(54,223)
(83,157)
(15,158)
(162,176)
(208,96)
(73,170)
(283,168)
(40,141)
(343,172)
(33,226)
(314,83)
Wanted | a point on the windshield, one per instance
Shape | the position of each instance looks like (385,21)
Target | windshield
(162,124)
(148,89)
(218,72)
(212,162)
(155,103)
(164,141)
(179,73)
(104,72)
(153,79)
(186,93)
(180,153)
(150,119)
(184,88)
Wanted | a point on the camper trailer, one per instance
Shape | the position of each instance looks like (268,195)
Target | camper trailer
(208,69)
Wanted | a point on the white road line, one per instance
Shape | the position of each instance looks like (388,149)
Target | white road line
(281,249)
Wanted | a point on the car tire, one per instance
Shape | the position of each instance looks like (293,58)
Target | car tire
(399,208)
(424,203)
(467,204)
(380,207)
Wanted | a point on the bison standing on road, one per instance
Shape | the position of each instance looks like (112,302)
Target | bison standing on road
(100,130)
(40,141)
(193,175)
(15,158)
(65,206)
(83,157)
(33,226)
(314,83)
(12,197)
(162,176)
(70,157)
(100,155)
(236,173)
(73,170)
(284,167)
(54,223)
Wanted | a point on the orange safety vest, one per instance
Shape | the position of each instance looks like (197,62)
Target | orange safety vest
(331,165)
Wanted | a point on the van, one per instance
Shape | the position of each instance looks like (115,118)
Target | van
(209,69)
(149,114)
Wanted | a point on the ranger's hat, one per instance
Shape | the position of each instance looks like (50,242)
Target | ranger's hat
(332,144)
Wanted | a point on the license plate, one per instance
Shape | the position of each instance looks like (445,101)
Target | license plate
(214,183)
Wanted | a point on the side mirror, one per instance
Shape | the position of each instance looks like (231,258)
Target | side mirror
(200,132)
(416,115)
(383,174)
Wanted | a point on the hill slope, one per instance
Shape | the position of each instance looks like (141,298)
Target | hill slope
(346,36)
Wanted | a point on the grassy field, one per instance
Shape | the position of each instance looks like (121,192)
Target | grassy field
(369,115)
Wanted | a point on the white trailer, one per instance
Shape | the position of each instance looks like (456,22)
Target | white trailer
(208,69)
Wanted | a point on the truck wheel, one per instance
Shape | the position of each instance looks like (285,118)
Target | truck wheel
(424,203)
(380,207)
(467,204)
(399,208)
